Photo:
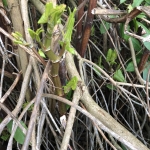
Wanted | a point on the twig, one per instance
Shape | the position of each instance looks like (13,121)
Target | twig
(101,125)
(98,11)
(135,64)
(36,107)
(7,74)
(67,134)
(28,50)
(21,97)
(11,88)
(100,114)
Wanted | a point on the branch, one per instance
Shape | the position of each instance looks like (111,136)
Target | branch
(121,134)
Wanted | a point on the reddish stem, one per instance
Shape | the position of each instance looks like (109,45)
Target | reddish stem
(143,60)
(79,26)
(87,29)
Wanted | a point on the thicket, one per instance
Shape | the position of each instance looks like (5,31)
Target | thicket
(74,74)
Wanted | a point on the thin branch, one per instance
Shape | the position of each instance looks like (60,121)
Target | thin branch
(11,88)
(68,130)
(36,107)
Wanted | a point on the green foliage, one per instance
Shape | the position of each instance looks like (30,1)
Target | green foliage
(146,44)
(144,27)
(36,35)
(111,87)
(124,36)
(99,63)
(136,44)
(5,136)
(102,28)
(52,13)
(136,3)
(71,85)
(41,53)
(5,3)
(146,71)
(130,67)
(69,29)
(19,39)
(122,1)
(19,135)
(118,76)
(111,56)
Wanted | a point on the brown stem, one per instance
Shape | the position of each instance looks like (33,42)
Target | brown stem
(143,60)
(87,29)
(11,88)
(79,26)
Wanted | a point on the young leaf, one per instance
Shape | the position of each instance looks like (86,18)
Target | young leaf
(41,53)
(44,18)
(69,29)
(32,33)
(72,84)
(19,135)
(52,14)
(111,56)
(38,31)
(118,76)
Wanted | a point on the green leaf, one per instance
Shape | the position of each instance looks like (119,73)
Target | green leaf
(18,42)
(19,135)
(5,136)
(17,35)
(68,33)
(118,76)
(5,3)
(130,8)
(32,33)
(124,36)
(144,27)
(130,67)
(136,3)
(72,84)
(41,53)
(38,31)
(146,70)
(111,56)
(146,44)
(102,28)
(136,44)
(44,18)
(111,87)
(52,14)
(122,1)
